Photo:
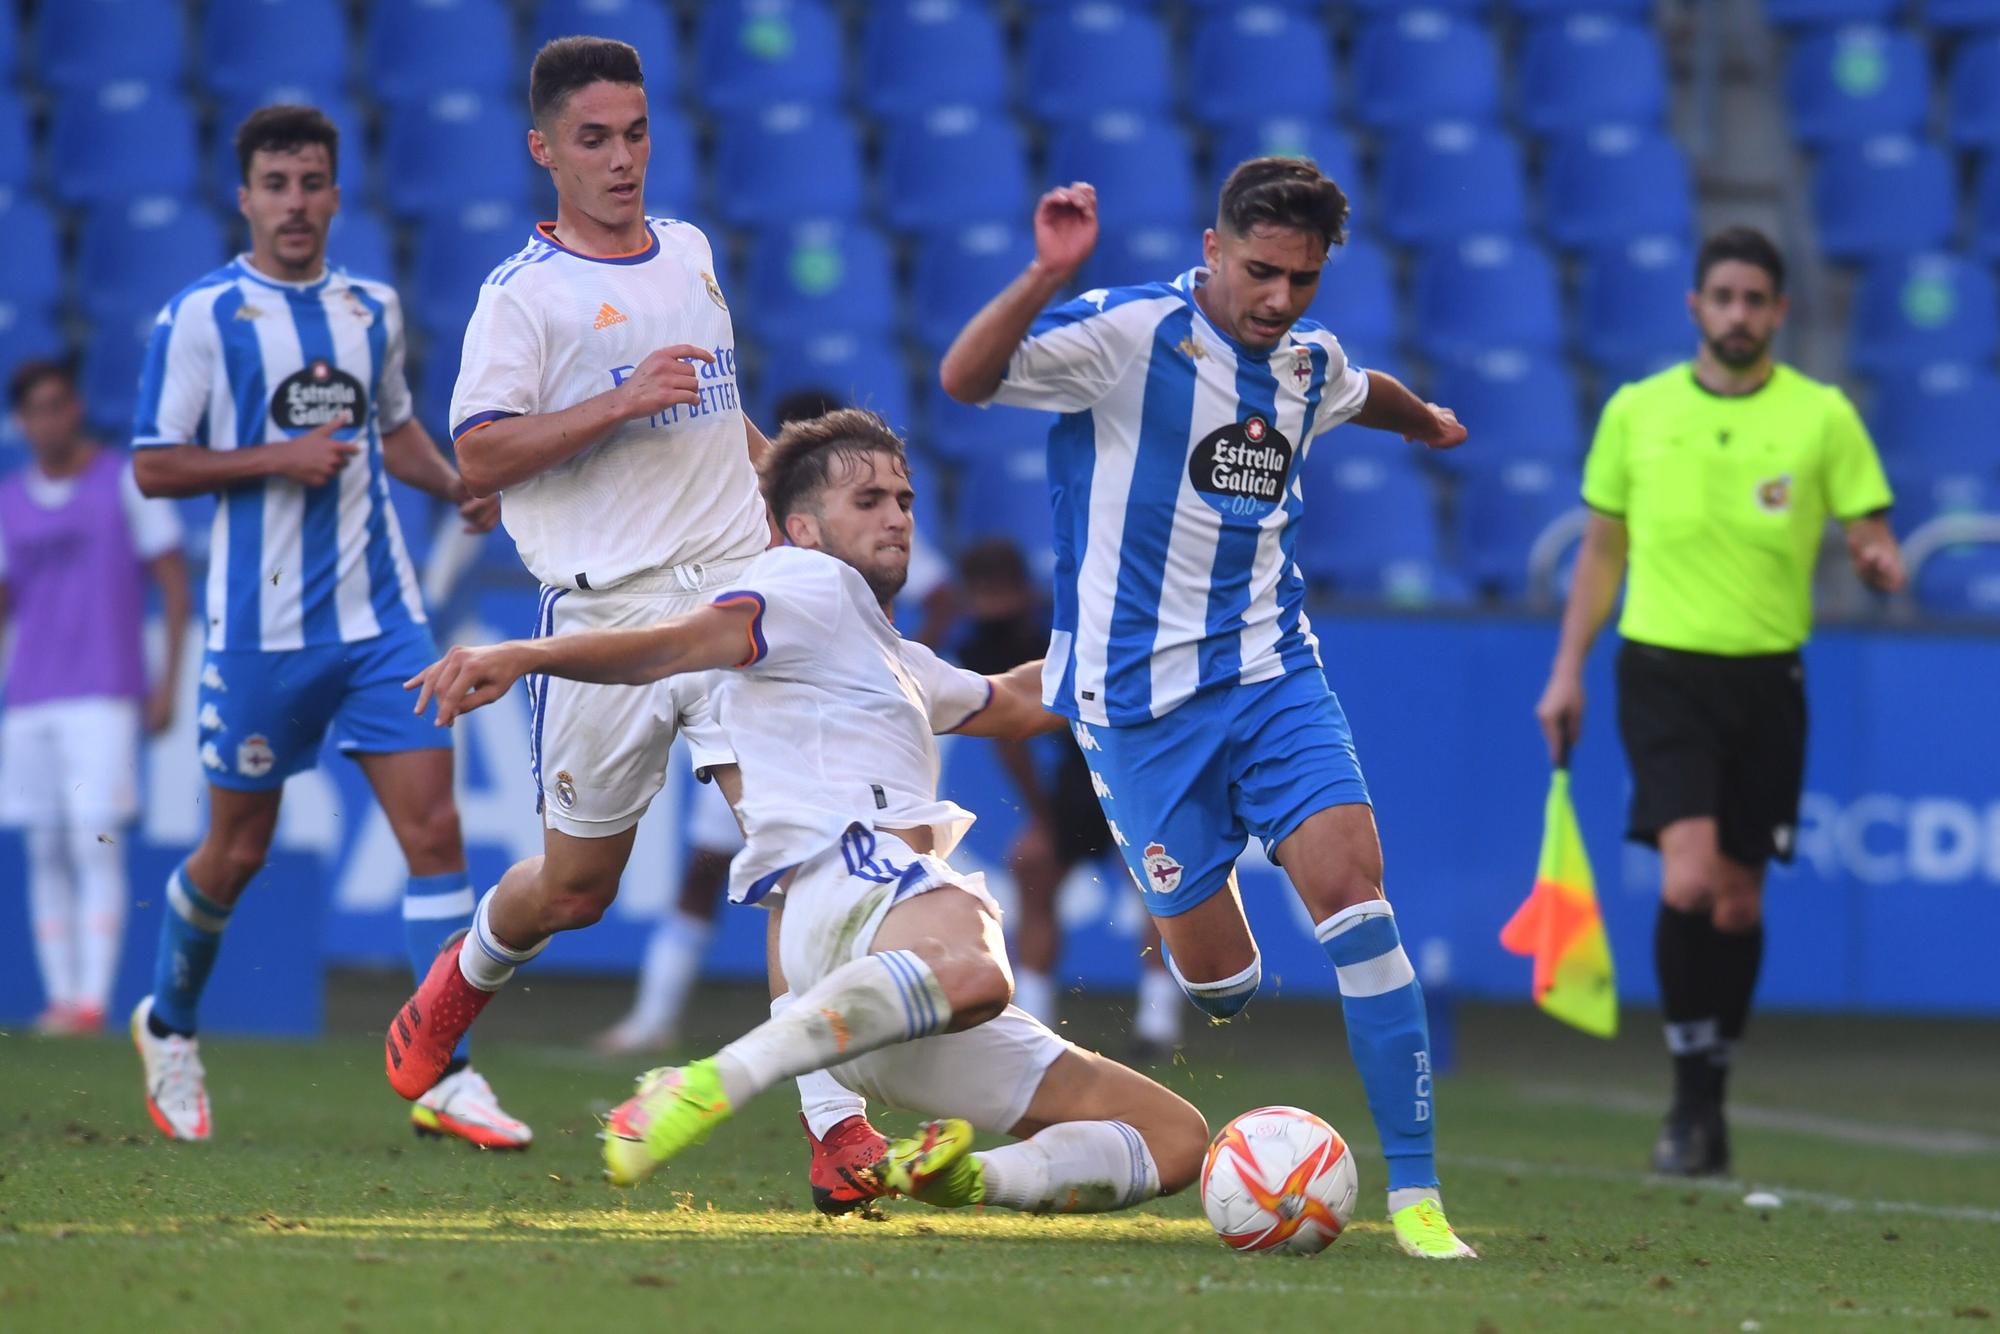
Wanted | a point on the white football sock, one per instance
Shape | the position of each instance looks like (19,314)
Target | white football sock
(52,910)
(484,960)
(1077,1167)
(859,1007)
(101,896)
(1036,993)
(1158,1018)
(823,1100)
(673,962)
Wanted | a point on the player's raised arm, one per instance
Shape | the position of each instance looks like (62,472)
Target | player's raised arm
(468,678)
(1015,710)
(1065,234)
(1392,407)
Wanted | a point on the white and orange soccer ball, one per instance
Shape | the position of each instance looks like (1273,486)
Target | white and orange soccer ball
(1278,1180)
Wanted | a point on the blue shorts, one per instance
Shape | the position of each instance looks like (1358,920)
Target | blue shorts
(263,715)
(1184,793)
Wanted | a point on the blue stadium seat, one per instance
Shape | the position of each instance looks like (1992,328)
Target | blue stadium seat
(1615,182)
(1251,49)
(673,174)
(17,153)
(1820,13)
(958,272)
(1006,494)
(752,53)
(791,160)
(1640,10)
(83,44)
(225,174)
(1883,196)
(136,253)
(27,332)
(420,48)
(1928,488)
(855,367)
(1140,165)
(1590,70)
(1986,209)
(925,53)
(646,25)
(823,277)
(1504,504)
(1515,405)
(458,148)
(1918,310)
(10,42)
(1961,581)
(109,377)
(1632,315)
(35,272)
(1451,178)
(955,431)
(1322,140)
(1149,253)
(1940,414)
(951,166)
(455,250)
(1422,65)
(1958,16)
(1357,297)
(1371,8)
(1373,528)
(1975,92)
(122,139)
(1484,294)
(1856,82)
(360,242)
(1090,57)
(244,43)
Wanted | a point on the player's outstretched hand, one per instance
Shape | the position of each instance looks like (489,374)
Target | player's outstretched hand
(666,378)
(1066,227)
(315,458)
(1445,431)
(466,679)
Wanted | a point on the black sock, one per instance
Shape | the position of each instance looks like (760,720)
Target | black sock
(160,1030)
(457,1064)
(1683,956)
(1736,958)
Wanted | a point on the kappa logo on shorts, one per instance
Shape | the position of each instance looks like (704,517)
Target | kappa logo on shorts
(255,757)
(210,718)
(211,758)
(1163,873)
(211,678)
(565,790)
(1084,740)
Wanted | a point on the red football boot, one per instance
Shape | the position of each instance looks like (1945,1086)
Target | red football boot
(418,1046)
(843,1165)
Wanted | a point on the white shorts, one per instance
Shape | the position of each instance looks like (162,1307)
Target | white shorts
(988,1074)
(70,762)
(600,751)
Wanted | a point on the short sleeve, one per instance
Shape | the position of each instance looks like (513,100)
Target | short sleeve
(1606,472)
(1855,484)
(500,369)
(154,523)
(393,406)
(953,694)
(1345,390)
(175,376)
(1069,361)
(794,599)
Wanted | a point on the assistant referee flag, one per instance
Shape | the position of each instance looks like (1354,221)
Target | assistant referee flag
(1560,927)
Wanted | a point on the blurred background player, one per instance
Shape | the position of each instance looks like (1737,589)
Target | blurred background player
(1181,647)
(598,390)
(77,545)
(289,374)
(1714,480)
(1007,625)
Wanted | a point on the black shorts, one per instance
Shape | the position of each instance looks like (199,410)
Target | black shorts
(1081,832)
(1717,736)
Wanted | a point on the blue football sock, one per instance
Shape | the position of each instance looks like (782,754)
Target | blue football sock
(434,906)
(190,935)
(1388,1036)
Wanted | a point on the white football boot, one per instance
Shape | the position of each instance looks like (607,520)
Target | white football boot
(462,1104)
(176,1094)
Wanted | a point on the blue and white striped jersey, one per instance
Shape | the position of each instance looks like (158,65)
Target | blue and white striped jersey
(239,360)
(1174,473)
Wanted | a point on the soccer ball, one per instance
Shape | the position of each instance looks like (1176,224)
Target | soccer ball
(1278,1179)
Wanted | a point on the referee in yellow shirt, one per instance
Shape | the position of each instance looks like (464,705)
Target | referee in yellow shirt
(1714,480)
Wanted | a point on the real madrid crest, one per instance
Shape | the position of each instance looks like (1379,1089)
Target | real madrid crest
(714,290)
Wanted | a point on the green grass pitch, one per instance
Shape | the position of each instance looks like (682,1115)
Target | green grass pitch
(315,1208)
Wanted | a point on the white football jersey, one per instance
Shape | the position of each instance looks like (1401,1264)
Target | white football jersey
(555,327)
(833,716)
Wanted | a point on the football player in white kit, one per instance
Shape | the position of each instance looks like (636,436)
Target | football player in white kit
(598,391)
(901,972)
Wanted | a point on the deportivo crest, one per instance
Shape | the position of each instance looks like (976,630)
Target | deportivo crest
(714,289)
(1163,873)
(254,757)
(1775,495)
(1302,365)
(565,790)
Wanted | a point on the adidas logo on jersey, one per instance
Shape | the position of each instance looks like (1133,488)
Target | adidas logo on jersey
(607,315)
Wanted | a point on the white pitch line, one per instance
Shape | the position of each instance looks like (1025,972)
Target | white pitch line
(1874,1134)
(1840,1204)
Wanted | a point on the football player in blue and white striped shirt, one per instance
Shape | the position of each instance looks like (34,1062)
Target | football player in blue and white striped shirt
(277,383)
(1181,647)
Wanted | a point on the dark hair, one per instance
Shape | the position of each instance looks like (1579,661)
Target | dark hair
(1283,192)
(1746,244)
(285,128)
(32,375)
(800,463)
(810,401)
(993,560)
(568,64)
